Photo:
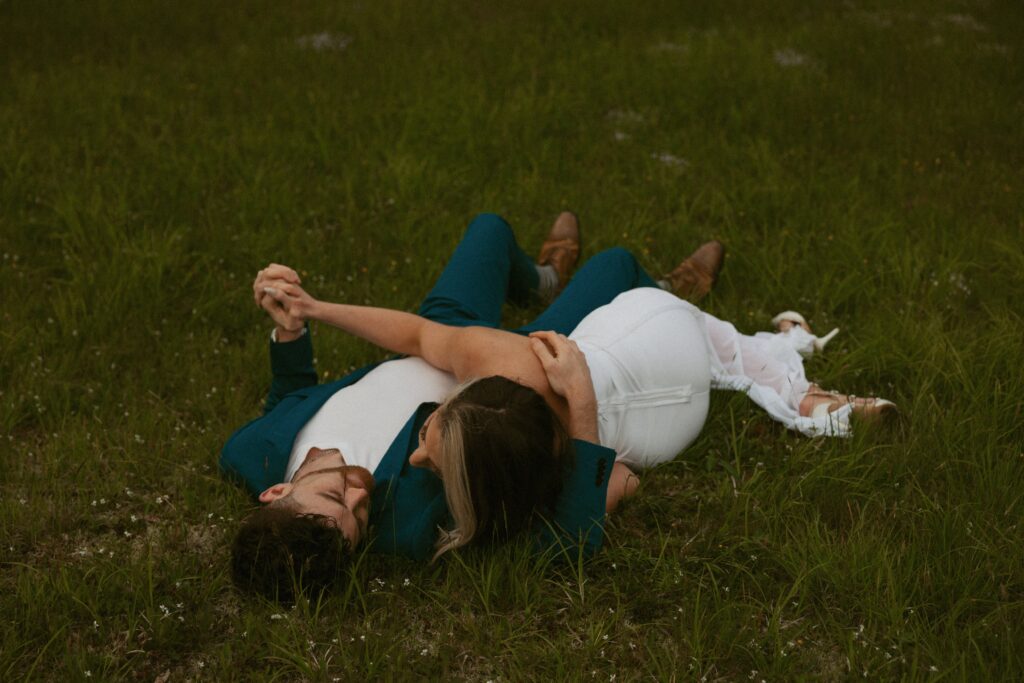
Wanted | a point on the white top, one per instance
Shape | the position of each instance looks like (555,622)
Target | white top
(363,419)
(649,364)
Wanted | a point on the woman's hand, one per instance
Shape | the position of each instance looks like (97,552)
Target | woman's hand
(288,304)
(564,364)
(270,274)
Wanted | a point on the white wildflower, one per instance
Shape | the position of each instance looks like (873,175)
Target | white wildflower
(789,57)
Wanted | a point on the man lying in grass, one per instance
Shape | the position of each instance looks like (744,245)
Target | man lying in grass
(331,461)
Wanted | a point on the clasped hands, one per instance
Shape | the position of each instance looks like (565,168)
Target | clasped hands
(277,290)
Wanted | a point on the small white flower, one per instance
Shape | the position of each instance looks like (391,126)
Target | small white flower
(789,57)
(670,159)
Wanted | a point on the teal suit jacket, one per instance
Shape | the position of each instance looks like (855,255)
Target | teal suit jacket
(408,504)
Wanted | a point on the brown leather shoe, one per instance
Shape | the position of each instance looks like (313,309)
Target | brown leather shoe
(562,247)
(693,278)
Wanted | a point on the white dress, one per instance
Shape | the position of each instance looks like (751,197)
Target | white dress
(654,358)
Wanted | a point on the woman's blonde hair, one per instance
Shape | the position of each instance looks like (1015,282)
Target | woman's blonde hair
(505,455)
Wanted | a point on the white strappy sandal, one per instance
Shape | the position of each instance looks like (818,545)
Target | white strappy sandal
(805,343)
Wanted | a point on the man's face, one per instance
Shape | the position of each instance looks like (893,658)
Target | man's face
(325,485)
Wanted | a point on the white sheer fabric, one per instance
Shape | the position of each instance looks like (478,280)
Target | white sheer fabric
(769,368)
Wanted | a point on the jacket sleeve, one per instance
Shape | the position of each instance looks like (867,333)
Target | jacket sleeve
(291,365)
(578,520)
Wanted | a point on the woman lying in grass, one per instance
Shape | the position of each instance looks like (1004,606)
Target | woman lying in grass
(634,376)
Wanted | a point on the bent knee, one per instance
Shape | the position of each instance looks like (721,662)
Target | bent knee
(618,257)
(489,226)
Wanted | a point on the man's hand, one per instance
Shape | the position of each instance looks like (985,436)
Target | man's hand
(569,377)
(275,276)
(272,273)
(622,484)
(288,304)
(564,364)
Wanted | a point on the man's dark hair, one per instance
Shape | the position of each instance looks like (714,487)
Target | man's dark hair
(278,553)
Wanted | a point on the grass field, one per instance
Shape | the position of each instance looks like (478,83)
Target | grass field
(863,161)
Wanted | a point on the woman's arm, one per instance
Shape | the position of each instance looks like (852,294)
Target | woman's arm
(464,351)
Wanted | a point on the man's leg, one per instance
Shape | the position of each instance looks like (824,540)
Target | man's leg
(600,280)
(486,268)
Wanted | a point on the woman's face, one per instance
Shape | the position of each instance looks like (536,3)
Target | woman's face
(428,454)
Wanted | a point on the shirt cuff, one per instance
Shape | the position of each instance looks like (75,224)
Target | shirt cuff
(273,334)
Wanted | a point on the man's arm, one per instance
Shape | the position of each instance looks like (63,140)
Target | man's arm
(291,349)
(567,371)
(291,365)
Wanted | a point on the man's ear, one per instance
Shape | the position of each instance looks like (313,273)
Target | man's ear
(274,492)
